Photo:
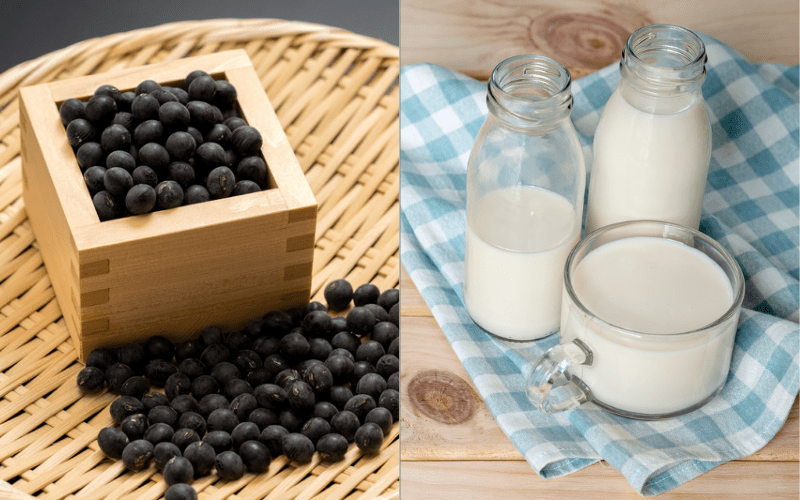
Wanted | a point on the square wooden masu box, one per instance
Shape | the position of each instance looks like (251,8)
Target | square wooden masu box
(172,272)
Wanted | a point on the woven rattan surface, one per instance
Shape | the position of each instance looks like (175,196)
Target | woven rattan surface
(336,96)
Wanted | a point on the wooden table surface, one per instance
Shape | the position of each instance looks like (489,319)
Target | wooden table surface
(452,448)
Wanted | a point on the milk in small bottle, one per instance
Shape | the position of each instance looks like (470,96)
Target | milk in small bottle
(525,185)
(652,145)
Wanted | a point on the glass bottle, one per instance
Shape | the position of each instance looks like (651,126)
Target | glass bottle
(652,145)
(525,187)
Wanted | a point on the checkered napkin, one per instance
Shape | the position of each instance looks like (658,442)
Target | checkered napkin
(750,207)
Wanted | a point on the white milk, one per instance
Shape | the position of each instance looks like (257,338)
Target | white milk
(514,264)
(649,165)
(652,285)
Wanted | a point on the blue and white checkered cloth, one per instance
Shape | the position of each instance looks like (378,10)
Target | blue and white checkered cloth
(750,207)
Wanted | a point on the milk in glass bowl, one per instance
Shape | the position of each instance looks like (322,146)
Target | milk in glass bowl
(648,320)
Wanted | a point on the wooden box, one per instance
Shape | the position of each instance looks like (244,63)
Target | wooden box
(171,272)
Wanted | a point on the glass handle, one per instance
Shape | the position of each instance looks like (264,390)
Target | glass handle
(549,387)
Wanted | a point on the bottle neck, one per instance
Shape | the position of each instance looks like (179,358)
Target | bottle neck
(530,93)
(663,61)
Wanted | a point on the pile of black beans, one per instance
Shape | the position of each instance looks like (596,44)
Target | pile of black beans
(159,147)
(290,383)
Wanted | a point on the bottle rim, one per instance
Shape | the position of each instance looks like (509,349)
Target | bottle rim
(530,89)
(665,57)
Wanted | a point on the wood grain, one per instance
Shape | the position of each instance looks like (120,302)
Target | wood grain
(472,36)
(423,347)
(462,480)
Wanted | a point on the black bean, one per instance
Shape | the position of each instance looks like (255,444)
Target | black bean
(159,433)
(360,321)
(229,465)
(212,402)
(386,365)
(136,386)
(370,351)
(272,437)
(360,404)
(194,421)
(298,448)
(148,131)
(366,294)
(158,371)
(90,154)
(115,138)
(201,455)
(100,109)
(134,426)
(180,491)
(72,109)
(341,368)
(112,441)
(163,452)
(191,366)
(180,145)
(221,181)
(140,199)
(184,402)
(219,440)
(245,431)
(390,399)
(174,115)
(163,414)
(382,417)
(137,455)
(183,437)
(245,187)
(169,194)
(117,181)
(315,428)
(203,386)
(178,470)
(252,168)
(332,447)
(338,294)
(189,349)
(93,176)
(80,131)
(345,423)
(243,405)
(91,379)
(339,396)
(222,419)
(117,374)
(369,438)
(300,396)
(154,398)
(255,455)
(264,417)
(246,140)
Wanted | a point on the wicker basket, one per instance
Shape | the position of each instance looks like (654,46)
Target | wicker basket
(336,95)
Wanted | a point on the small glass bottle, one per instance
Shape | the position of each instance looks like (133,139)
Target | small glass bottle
(652,145)
(525,187)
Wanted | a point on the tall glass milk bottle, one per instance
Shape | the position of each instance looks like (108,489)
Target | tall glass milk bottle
(525,186)
(652,145)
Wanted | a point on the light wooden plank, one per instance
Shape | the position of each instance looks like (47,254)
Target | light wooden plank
(442,416)
(412,303)
(472,36)
(489,480)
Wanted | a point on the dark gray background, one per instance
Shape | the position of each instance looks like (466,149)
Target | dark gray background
(31,28)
